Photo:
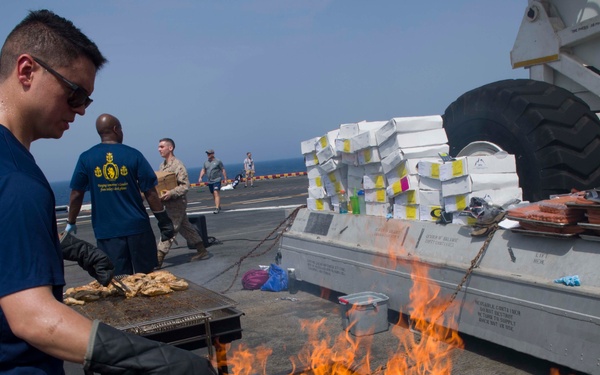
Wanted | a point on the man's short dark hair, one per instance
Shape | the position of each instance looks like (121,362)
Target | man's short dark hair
(49,37)
(172,142)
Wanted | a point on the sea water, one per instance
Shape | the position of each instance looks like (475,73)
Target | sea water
(62,191)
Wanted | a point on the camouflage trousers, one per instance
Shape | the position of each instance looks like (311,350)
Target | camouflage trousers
(176,211)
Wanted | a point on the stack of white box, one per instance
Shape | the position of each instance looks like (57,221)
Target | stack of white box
(491,177)
(403,142)
(328,176)
(397,164)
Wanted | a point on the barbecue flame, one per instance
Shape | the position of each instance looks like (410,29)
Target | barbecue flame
(424,353)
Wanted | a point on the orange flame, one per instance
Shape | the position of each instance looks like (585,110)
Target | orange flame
(427,353)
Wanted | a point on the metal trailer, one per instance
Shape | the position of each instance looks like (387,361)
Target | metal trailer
(510,298)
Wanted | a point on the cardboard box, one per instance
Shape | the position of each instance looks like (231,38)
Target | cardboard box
(326,153)
(368,156)
(429,168)
(486,164)
(407,125)
(311,159)
(308,146)
(349,158)
(166,181)
(318,204)
(331,165)
(421,212)
(349,130)
(411,140)
(418,196)
(375,196)
(378,209)
(327,140)
(374,181)
(398,185)
(478,182)
(317,192)
(417,152)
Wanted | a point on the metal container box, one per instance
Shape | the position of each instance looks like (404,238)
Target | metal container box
(365,313)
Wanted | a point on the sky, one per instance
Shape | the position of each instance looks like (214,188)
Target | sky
(265,75)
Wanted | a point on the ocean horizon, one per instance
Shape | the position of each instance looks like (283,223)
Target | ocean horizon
(268,167)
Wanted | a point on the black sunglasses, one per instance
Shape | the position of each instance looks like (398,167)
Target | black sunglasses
(78,97)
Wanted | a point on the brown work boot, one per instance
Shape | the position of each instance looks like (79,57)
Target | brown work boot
(202,253)
(161,256)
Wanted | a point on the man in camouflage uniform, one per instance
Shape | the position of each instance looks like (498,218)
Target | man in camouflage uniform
(176,203)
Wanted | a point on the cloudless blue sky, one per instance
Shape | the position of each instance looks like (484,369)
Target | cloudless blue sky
(264,75)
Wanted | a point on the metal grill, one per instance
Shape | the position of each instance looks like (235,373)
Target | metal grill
(148,315)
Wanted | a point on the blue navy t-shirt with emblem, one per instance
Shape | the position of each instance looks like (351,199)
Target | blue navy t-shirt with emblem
(115,174)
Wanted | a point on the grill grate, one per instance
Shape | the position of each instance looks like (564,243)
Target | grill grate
(143,315)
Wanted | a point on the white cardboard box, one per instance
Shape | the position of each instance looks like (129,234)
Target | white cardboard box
(325,154)
(311,159)
(411,140)
(418,152)
(308,146)
(487,164)
(418,196)
(374,181)
(331,165)
(318,204)
(327,140)
(426,183)
(317,192)
(349,158)
(376,195)
(368,156)
(429,168)
(407,125)
(477,182)
(398,185)
(348,130)
(378,209)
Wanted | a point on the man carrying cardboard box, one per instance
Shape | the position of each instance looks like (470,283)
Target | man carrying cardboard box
(176,203)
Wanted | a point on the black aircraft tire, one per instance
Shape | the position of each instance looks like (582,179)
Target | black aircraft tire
(553,134)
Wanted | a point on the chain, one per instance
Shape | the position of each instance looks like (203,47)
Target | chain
(288,220)
(493,228)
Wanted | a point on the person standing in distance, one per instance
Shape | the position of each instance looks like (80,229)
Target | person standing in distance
(249,168)
(47,73)
(215,174)
(115,174)
(176,203)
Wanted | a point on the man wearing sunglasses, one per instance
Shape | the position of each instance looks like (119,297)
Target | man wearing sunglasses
(47,72)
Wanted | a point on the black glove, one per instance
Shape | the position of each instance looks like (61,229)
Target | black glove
(111,351)
(165,225)
(89,257)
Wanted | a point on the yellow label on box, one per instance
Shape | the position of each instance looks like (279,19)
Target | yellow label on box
(402,170)
(379,182)
(315,158)
(319,181)
(411,213)
(411,197)
(435,170)
(380,196)
(323,141)
(346,145)
(457,168)
(461,202)
(332,177)
(367,155)
(319,204)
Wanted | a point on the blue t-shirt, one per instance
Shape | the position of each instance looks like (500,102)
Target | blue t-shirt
(30,254)
(115,175)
